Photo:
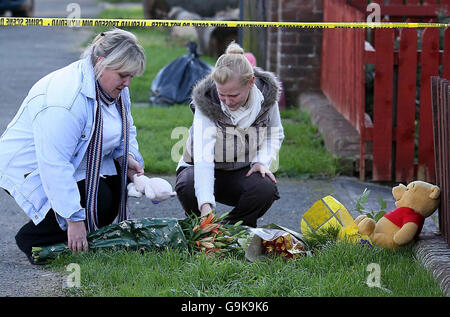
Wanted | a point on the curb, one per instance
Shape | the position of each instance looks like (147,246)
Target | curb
(434,254)
(340,138)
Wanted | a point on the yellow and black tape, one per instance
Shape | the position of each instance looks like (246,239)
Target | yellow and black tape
(148,23)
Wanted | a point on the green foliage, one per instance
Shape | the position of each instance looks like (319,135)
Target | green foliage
(374,214)
(302,152)
(320,238)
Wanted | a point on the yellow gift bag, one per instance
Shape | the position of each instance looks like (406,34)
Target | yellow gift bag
(328,212)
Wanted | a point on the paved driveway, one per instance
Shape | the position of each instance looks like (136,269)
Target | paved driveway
(26,55)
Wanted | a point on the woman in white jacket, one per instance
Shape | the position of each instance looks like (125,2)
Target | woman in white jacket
(66,155)
(235,136)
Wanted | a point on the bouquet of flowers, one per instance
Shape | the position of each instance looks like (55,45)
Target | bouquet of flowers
(285,245)
(274,240)
(209,235)
(144,234)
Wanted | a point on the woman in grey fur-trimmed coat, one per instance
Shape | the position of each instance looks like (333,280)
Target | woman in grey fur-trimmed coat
(235,137)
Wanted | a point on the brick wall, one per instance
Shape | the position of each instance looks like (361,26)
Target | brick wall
(294,54)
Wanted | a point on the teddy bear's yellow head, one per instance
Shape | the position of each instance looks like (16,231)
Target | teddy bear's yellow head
(420,196)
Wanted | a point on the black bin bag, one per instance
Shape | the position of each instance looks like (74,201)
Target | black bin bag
(174,82)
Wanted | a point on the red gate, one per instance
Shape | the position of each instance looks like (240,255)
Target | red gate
(400,129)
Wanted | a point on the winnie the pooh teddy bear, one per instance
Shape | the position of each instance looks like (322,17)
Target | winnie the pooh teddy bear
(414,203)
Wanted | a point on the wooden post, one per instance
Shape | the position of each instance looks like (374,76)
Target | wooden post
(406,106)
(430,66)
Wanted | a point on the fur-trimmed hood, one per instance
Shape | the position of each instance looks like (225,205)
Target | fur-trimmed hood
(205,97)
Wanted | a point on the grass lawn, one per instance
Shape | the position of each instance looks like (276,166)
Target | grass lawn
(302,153)
(337,269)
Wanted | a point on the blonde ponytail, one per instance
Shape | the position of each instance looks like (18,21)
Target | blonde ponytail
(234,48)
(232,64)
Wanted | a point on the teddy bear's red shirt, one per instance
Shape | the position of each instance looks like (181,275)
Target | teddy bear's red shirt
(403,215)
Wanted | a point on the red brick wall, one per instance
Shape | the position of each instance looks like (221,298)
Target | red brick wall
(294,54)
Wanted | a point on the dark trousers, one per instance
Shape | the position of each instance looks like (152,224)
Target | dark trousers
(48,231)
(250,196)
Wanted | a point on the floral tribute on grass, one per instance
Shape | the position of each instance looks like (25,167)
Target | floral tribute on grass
(273,240)
(143,234)
(327,220)
(285,245)
(209,235)
(206,234)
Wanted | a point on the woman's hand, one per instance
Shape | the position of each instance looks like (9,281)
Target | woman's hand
(205,209)
(76,236)
(134,167)
(264,170)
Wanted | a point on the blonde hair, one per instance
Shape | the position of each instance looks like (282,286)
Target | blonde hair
(120,51)
(232,64)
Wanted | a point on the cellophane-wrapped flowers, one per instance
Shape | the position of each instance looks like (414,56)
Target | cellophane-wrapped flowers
(144,234)
(273,240)
(286,245)
(207,234)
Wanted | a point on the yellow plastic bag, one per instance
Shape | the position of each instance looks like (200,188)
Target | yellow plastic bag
(328,212)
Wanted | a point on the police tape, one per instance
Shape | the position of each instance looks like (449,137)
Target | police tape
(145,23)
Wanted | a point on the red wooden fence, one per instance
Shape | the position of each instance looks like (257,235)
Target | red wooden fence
(440,89)
(393,133)
(399,10)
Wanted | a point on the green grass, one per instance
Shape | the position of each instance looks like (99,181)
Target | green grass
(301,154)
(155,126)
(338,269)
(160,49)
